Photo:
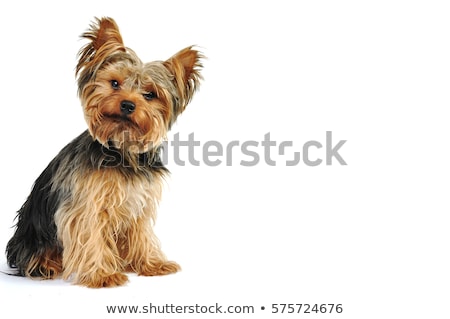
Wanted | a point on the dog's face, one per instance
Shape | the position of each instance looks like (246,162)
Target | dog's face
(126,101)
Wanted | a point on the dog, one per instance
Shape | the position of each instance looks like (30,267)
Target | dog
(90,215)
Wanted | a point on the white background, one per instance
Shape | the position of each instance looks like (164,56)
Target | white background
(372,235)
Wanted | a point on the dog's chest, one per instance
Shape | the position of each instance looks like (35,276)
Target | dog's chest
(131,196)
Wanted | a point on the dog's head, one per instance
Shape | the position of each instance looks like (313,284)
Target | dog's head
(126,101)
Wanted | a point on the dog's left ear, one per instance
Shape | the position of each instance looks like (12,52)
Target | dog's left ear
(185,68)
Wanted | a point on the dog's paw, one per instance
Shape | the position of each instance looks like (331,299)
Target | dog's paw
(114,280)
(159,268)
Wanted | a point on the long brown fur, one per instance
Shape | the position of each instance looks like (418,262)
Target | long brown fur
(90,215)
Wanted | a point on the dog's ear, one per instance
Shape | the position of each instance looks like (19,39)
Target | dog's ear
(185,67)
(104,31)
(104,40)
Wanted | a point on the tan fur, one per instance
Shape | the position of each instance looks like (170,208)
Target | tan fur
(102,190)
(105,228)
(48,266)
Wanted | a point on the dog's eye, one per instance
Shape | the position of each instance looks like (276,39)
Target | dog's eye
(115,84)
(149,96)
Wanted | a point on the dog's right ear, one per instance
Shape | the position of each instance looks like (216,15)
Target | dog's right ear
(104,40)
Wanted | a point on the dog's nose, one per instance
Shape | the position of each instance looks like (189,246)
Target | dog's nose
(127,107)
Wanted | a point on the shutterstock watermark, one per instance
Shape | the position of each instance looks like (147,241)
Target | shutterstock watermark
(250,152)
(264,152)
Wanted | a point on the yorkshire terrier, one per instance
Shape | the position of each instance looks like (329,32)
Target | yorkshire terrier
(90,213)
